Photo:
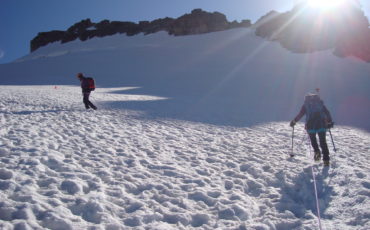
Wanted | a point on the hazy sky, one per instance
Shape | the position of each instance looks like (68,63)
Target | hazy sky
(21,20)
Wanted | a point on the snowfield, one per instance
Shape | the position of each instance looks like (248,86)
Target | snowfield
(239,78)
(63,167)
(191,132)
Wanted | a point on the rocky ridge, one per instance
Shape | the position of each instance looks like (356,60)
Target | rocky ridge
(303,30)
(197,22)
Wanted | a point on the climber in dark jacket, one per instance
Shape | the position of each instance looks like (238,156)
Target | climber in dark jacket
(318,120)
(85,91)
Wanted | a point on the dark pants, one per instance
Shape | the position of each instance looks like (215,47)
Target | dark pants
(86,100)
(323,144)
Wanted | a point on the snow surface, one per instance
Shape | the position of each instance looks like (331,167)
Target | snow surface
(238,78)
(191,133)
(66,168)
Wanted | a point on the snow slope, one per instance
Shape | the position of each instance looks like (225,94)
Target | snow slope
(191,133)
(66,168)
(221,74)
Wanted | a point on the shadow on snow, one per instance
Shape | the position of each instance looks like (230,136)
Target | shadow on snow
(298,196)
(217,106)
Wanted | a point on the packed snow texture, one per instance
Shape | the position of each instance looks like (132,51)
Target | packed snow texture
(190,133)
(63,167)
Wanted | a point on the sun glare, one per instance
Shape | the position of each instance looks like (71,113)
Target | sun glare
(325,4)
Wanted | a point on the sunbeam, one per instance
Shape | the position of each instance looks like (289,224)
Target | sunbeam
(325,4)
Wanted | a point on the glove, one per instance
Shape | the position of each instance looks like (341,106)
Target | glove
(330,125)
(292,123)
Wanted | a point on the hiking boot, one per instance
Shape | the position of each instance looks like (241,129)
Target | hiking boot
(317,156)
(326,163)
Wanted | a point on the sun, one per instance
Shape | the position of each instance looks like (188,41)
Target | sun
(325,4)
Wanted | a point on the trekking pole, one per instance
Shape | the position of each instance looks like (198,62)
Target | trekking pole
(292,153)
(332,140)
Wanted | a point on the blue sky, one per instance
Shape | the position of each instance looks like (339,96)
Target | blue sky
(21,20)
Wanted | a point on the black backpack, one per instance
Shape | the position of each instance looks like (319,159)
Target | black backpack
(314,107)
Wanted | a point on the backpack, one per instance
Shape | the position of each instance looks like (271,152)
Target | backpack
(90,83)
(314,108)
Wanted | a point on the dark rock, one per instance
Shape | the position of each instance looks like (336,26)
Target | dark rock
(270,16)
(197,22)
(243,23)
(80,26)
(45,38)
(163,24)
(305,30)
(129,28)
(79,30)
(69,37)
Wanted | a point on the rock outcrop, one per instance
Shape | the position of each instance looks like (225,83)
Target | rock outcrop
(303,29)
(198,21)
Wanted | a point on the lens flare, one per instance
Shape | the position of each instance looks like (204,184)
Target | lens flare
(325,4)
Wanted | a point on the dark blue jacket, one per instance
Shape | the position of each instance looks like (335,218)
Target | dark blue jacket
(84,85)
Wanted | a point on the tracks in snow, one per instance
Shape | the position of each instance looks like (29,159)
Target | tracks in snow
(63,166)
